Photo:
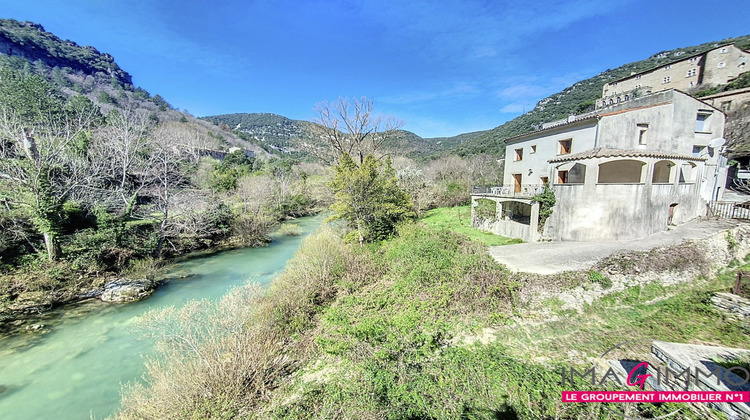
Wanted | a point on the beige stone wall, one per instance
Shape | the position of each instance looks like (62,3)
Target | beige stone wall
(682,75)
(724,64)
(716,67)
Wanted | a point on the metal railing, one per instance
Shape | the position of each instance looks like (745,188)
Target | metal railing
(527,190)
(729,210)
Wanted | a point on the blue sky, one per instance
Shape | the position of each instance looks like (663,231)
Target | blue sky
(443,67)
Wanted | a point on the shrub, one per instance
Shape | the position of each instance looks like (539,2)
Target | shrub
(486,209)
(597,277)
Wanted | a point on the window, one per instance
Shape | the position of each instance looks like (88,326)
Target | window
(701,122)
(692,83)
(533,148)
(613,84)
(544,180)
(726,106)
(723,50)
(693,60)
(565,146)
(638,76)
(722,64)
(667,79)
(519,154)
(698,150)
(562,177)
(627,97)
(692,72)
(687,173)
(642,129)
(662,172)
(667,67)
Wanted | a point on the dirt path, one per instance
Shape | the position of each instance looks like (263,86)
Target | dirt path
(555,257)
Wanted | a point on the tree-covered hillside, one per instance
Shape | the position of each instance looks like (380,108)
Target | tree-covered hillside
(279,134)
(577,99)
(274,133)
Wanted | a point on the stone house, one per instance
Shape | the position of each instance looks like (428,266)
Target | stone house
(718,66)
(622,173)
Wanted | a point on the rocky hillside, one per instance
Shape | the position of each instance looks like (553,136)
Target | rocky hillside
(577,99)
(77,70)
(31,42)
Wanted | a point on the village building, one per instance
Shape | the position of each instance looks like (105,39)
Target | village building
(622,172)
(715,67)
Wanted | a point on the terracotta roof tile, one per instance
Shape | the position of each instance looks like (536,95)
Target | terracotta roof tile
(601,152)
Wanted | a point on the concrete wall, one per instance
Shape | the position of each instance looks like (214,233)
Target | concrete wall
(504,226)
(606,212)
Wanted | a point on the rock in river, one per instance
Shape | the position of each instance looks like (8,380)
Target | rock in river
(127,290)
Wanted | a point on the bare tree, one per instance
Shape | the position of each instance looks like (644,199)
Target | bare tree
(42,151)
(120,154)
(167,172)
(349,126)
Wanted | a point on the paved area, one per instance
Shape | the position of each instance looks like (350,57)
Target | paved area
(555,257)
(735,196)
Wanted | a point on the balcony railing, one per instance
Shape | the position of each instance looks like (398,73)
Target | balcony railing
(521,191)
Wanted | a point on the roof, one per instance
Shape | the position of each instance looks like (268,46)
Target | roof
(668,64)
(601,152)
(727,93)
(550,128)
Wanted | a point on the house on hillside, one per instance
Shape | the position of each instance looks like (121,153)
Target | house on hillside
(622,173)
(718,66)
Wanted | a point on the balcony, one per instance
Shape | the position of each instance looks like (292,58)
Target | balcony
(512,191)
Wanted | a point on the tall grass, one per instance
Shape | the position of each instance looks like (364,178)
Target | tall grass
(219,360)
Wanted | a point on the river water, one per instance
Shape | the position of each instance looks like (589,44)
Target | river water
(75,370)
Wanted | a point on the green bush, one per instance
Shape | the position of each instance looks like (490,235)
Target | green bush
(597,277)
(486,209)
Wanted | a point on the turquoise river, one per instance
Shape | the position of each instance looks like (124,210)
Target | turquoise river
(75,370)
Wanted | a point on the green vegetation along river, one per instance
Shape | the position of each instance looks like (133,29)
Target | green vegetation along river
(75,369)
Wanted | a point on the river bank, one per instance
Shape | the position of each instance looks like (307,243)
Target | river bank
(26,311)
(74,368)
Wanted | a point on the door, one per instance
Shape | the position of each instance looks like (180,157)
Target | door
(517,183)
(672,211)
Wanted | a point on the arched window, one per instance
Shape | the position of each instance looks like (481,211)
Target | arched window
(624,171)
(662,172)
(571,173)
(687,173)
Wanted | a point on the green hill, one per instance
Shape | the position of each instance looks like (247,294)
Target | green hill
(577,99)
(279,134)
